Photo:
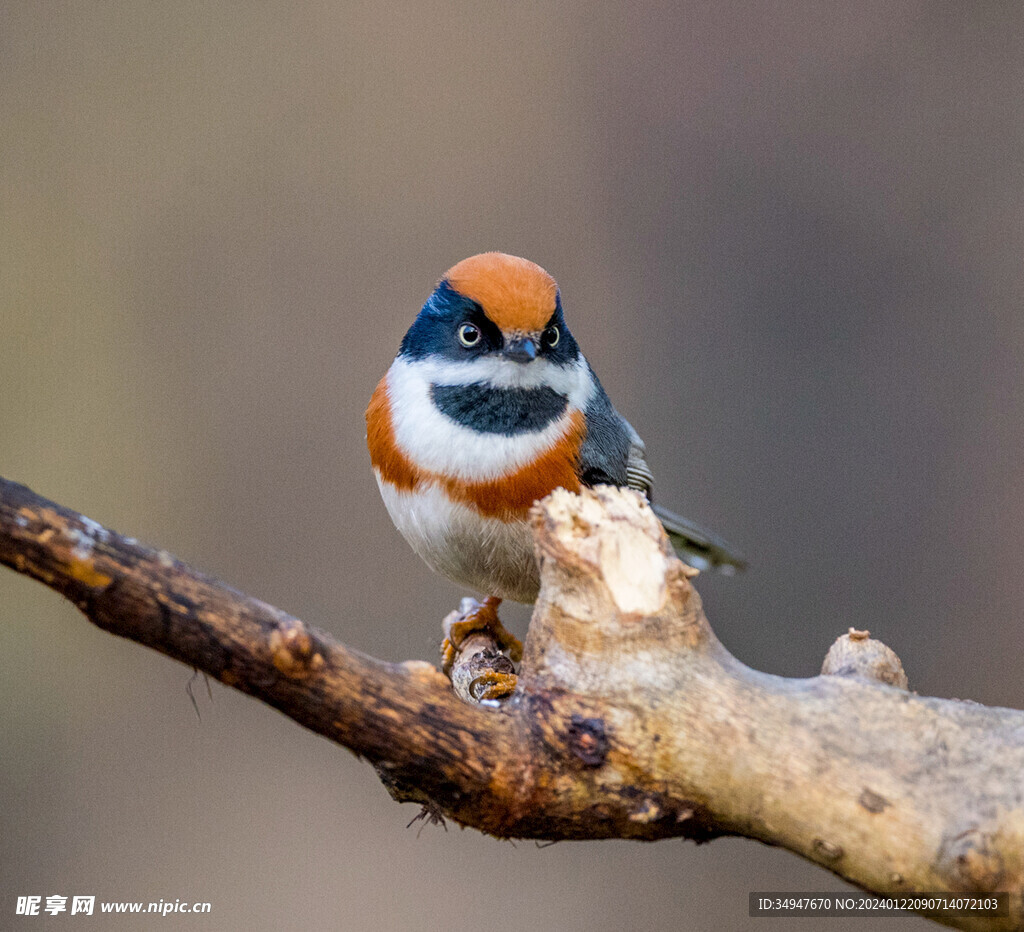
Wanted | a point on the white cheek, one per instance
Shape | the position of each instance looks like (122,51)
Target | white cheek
(438,444)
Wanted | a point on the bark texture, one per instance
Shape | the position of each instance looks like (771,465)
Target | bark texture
(630,720)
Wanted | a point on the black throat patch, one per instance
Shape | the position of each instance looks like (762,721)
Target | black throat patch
(490,410)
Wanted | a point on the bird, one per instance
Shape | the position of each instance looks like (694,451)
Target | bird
(488,406)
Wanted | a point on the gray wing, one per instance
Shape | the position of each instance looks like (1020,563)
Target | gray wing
(613,454)
(700,548)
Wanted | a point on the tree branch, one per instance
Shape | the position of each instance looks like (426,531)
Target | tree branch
(630,719)
(402,717)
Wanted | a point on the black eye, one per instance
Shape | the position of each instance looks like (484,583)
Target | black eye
(551,336)
(469,335)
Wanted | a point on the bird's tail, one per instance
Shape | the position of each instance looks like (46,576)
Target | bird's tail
(699,548)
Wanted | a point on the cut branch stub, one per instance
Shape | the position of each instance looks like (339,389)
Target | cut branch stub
(857,654)
(616,604)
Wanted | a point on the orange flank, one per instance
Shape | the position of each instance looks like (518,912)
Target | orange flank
(508,497)
(516,294)
(393,465)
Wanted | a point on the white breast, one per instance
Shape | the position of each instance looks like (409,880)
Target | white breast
(491,556)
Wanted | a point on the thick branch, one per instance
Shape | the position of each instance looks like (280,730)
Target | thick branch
(402,717)
(630,720)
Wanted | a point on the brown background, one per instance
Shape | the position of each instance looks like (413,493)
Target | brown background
(789,238)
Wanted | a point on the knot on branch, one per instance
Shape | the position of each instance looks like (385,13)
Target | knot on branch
(294,650)
(972,862)
(857,654)
(826,851)
(588,740)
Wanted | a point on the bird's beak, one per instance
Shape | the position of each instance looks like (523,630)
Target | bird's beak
(521,349)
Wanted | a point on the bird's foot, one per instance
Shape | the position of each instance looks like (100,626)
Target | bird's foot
(490,675)
(478,617)
(493,685)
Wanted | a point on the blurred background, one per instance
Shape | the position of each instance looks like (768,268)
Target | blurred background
(789,238)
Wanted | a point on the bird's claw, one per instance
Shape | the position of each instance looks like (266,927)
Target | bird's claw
(481,618)
(493,685)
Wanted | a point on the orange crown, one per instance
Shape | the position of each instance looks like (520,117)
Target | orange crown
(516,294)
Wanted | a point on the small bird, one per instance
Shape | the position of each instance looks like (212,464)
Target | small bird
(489,406)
